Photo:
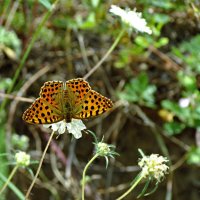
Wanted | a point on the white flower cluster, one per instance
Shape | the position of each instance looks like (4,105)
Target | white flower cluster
(74,127)
(154,166)
(103,149)
(22,159)
(131,18)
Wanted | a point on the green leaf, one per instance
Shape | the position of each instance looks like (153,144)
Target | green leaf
(95,3)
(46,4)
(139,90)
(173,128)
(188,53)
(187,81)
(89,23)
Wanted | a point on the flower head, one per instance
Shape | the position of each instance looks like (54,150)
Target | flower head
(184,102)
(20,141)
(105,150)
(131,18)
(74,127)
(22,159)
(154,166)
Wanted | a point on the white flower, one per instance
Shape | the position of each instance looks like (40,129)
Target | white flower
(154,166)
(132,18)
(184,102)
(74,127)
(22,159)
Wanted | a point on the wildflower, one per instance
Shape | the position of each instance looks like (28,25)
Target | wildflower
(153,166)
(74,127)
(20,141)
(131,18)
(184,102)
(22,159)
(105,150)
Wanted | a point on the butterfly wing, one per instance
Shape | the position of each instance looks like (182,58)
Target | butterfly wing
(48,108)
(52,92)
(79,87)
(94,104)
(41,112)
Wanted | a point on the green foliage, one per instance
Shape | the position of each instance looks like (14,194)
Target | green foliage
(138,90)
(173,128)
(187,81)
(188,53)
(47,4)
(143,41)
(165,4)
(88,23)
(9,39)
(17,192)
(5,83)
(3,160)
(188,115)
(193,156)
(18,22)
(47,35)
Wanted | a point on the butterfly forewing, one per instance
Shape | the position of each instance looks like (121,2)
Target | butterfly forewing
(41,112)
(79,87)
(51,92)
(93,105)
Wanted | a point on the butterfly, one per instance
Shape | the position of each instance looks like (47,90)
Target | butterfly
(64,101)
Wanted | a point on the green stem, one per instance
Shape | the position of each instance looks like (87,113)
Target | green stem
(9,178)
(106,55)
(25,56)
(140,177)
(84,173)
(40,165)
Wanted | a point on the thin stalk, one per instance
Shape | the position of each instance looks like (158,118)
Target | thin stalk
(39,167)
(131,188)
(9,179)
(84,173)
(4,10)
(106,55)
(25,56)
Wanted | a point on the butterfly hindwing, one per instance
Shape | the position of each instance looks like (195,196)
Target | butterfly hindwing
(41,112)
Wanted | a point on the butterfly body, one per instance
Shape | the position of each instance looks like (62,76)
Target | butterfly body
(64,101)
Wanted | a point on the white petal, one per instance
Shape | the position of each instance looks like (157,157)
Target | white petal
(75,127)
(62,127)
(47,125)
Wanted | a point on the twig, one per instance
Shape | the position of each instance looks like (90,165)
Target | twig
(15,97)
